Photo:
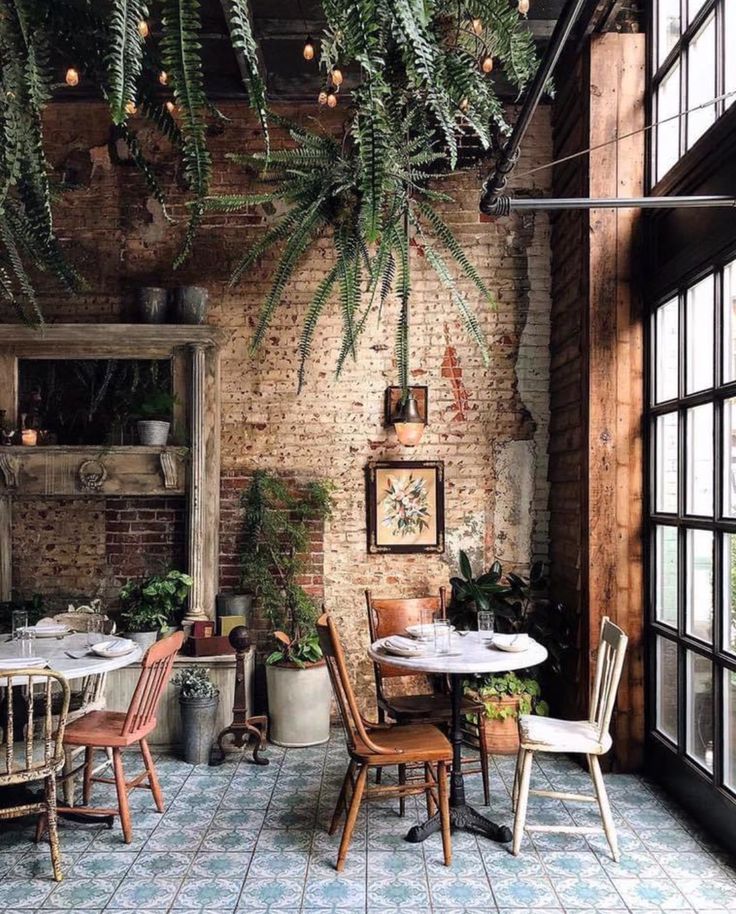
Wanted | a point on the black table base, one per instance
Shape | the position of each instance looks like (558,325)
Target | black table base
(462,816)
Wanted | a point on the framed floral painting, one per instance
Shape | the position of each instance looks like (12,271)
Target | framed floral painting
(406,506)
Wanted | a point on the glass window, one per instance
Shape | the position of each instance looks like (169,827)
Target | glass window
(729,592)
(699,355)
(729,71)
(701,81)
(729,318)
(668,336)
(699,469)
(668,27)
(666,456)
(699,720)
(699,578)
(729,729)
(668,134)
(666,720)
(729,458)
(665,593)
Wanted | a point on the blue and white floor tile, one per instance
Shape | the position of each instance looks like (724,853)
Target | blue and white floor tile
(239,839)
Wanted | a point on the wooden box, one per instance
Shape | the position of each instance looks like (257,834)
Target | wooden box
(208,647)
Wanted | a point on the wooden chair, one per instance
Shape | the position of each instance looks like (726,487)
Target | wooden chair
(391,617)
(39,754)
(588,737)
(379,745)
(117,730)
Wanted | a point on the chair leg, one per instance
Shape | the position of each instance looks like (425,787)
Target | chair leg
(430,779)
(158,797)
(347,833)
(340,805)
(89,757)
(402,798)
(604,806)
(517,773)
(522,799)
(50,821)
(444,801)
(122,791)
(381,720)
(484,759)
(69,779)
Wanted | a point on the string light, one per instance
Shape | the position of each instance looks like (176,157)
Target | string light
(143,29)
(464,104)
(331,99)
(308,50)
(163,78)
(477,25)
(170,107)
(486,64)
(72,77)
(524,7)
(130,108)
(337,77)
(322,97)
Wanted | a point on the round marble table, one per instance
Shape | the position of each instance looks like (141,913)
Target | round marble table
(473,655)
(54,650)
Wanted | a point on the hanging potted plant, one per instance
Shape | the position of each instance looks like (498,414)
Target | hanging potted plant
(278,521)
(198,701)
(155,413)
(149,607)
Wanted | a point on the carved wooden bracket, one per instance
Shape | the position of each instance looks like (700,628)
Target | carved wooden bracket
(10,467)
(169,469)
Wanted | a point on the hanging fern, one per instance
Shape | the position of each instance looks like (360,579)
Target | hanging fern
(125,55)
(241,36)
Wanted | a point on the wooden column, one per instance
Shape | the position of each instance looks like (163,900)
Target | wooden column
(6,547)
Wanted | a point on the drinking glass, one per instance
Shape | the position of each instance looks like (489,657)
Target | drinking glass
(485,625)
(426,620)
(95,630)
(27,642)
(20,621)
(442,637)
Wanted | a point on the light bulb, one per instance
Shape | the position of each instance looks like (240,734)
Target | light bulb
(130,108)
(464,104)
(477,26)
(409,424)
(308,51)
(331,100)
(322,97)
(143,29)
(487,64)
(337,77)
(163,78)
(72,77)
(524,7)
(170,107)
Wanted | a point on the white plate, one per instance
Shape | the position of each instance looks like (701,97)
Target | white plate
(423,632)
(22,663)
(46,631)
(511,643)
(117,647)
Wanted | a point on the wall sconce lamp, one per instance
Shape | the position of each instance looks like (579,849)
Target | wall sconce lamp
(408,419)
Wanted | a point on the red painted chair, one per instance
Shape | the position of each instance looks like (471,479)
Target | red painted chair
(117,730)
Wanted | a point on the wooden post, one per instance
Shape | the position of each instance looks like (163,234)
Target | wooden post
(6,547)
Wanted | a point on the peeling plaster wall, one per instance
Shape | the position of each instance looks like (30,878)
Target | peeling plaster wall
(488,424)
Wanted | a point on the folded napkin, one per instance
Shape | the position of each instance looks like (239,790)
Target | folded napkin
(22,663)
(404,647)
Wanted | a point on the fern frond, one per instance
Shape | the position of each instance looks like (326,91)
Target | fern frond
(238,18)
(316,308)
(145,168)
(125,55)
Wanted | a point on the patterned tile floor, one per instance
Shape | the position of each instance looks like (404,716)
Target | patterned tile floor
(241,838)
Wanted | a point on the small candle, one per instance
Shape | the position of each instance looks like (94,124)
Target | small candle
(29,436)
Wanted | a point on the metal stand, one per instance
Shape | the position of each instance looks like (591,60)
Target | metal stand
(243,728)
(462,816)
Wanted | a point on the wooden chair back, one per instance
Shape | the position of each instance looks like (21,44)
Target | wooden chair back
(28,699)
(155,674)
(609,665)
(352,721)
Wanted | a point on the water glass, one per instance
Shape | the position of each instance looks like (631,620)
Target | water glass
(95,629)
(27,642)
(485,625)
(442,637)
(20,621)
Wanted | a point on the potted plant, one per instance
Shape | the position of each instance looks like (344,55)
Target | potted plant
(278,522)
(149,606)
(155,411)
(505,697)
(198,701)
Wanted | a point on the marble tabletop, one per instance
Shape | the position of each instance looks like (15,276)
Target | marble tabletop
(474,655)
(54,651)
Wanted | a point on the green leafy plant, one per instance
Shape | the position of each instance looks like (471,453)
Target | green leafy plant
(195,682)
(152,604)
(492,689)
(278,522)
(157,404)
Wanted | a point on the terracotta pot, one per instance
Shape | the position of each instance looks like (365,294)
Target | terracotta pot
(502,736)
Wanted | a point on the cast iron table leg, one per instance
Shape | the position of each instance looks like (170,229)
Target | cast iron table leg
(462,816)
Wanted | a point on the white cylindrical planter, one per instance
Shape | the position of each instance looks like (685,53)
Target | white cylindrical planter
(153,432)
(144,639)
(299,705)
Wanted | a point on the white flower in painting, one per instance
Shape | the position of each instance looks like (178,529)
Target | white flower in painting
(406,505)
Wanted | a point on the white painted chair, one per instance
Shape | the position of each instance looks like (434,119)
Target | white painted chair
(587,737)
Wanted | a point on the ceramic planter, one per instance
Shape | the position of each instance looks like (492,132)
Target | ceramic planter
(197,728)
(144,639)
(299,704)
(153,432)
(191,304)
(152,305)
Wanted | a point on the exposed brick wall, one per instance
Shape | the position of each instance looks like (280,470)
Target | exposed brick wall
(489,424)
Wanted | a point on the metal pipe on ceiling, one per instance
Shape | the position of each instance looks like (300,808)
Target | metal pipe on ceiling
(503,205)
(496,180)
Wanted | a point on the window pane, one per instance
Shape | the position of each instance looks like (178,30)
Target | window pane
(729,592)
(729,728)
(699,316)
(693,8)
(729,457)
(701,82)
(699,590)
(665,593)
(729,318)
(668,135)
(729,18)
(666,468)
(668,335)
(667,687)
(699,722)
(699,469)
(668,27)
